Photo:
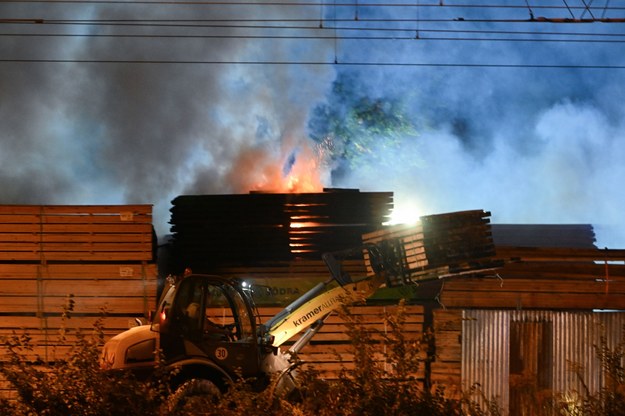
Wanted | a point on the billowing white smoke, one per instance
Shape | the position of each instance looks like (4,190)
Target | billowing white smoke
(529,145)
(570,172)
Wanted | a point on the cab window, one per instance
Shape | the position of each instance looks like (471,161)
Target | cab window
(226,309)
(189,305)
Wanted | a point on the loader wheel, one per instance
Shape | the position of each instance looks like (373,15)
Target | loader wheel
(193,391)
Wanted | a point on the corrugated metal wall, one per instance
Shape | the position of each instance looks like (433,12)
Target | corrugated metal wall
(561,345)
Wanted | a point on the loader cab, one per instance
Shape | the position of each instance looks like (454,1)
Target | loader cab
(209,319)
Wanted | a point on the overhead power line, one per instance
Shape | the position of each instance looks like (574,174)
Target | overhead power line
(252,23)
(228,22)
(309,63)
(425,35)
(434,4)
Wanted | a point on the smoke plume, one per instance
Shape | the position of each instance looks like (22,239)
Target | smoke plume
(529,144)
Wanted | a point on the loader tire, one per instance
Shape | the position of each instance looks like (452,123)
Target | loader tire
(193,391)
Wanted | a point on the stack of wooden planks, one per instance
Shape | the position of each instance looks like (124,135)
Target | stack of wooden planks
(439,246)
(281,282)
(445,369)
(90,259)
(545,278)
(331,349)
(212,230)
(544,235)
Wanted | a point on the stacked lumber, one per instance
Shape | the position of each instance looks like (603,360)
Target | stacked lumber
(90,259)
(331,350)
(33,233)
(284,281)
(545,278)
(438,246)
(544,235)
(211,230)
(445,367)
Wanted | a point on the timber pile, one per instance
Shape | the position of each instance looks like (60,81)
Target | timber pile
(331,350)
(439,246)
(445,369)
(287,280)
(87,258)
(213,230)
(545,278)
(544,235)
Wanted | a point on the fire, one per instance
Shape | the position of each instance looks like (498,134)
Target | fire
(300,172)
(304,176)
(304,224)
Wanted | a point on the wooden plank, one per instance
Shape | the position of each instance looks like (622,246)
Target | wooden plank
(77,271)
(590,286)
(141,209)
(445,369)
(55,304)
(13,238)
(112,288)
(73,246)
(99,271)
(530,300)
(11,287)
(19,323)
(77,218)
(554,268)
(33,229)
(75,256)
(52,338)
(560,254)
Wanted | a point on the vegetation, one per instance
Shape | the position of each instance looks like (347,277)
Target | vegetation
(355,129)
(76,385)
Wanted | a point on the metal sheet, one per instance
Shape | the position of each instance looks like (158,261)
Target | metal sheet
(566,340)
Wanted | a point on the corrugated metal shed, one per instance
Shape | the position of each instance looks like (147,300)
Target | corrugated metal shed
(506,352)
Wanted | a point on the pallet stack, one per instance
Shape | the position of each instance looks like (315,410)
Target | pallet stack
(93,259)
(440,245)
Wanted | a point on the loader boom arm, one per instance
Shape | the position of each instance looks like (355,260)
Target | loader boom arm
(317,304)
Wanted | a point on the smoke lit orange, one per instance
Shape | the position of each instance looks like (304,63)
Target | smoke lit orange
(303,176)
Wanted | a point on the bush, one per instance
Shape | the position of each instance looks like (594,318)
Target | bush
(77,386)
(74,385)
(369,389)
(610,399)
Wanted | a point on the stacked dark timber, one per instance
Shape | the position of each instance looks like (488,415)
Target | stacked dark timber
(92,258)
(545,278)
(544,235)
(211,230)
(439,246)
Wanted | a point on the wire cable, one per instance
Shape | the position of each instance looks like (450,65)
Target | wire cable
(311,63)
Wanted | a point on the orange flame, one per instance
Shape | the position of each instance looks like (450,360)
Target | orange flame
(304,176)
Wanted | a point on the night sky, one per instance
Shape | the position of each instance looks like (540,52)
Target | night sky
(513,108)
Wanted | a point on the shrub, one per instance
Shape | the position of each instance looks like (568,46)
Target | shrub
(77,386)
(74,385)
